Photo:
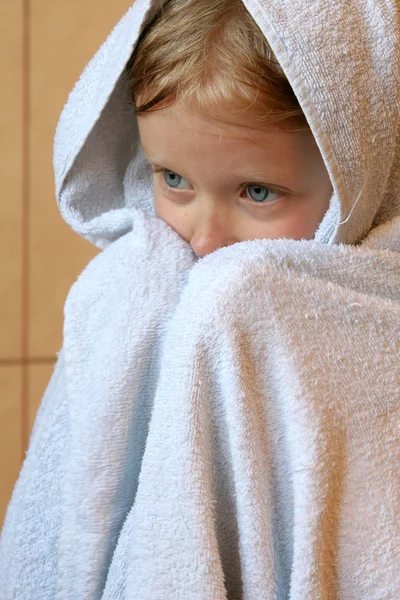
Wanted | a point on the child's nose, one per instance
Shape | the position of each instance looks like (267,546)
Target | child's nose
(212,230)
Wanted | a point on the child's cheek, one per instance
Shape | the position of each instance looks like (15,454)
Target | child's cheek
(159,207)
(162,206)
(168,212)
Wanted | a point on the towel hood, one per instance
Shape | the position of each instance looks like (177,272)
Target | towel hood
(345,77)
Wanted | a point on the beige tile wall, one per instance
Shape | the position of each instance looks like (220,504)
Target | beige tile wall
(43,49)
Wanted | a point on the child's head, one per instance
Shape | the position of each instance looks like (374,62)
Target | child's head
(212,54)
(232,153)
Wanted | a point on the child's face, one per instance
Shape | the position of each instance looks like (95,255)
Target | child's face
(217,184)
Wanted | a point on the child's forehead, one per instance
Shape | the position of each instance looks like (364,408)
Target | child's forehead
(187,141)
(184,121)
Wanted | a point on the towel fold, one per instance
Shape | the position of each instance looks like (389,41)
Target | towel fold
(258,459)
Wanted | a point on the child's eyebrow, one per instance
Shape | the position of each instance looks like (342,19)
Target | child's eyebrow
(157,161)
(158,165)
(269,176)
(257,174)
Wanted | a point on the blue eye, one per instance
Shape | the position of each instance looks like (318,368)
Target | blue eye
(259,193)
(174,180)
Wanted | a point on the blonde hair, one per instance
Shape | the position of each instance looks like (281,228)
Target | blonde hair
(213,55)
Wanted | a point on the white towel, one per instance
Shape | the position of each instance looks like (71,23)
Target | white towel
(225,428)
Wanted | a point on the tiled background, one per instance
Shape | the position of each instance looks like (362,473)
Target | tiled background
(44,46)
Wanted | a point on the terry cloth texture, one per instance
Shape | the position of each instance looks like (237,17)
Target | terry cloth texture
(225,428)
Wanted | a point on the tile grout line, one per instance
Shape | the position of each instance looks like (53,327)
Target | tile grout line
(25,223)
(39,360)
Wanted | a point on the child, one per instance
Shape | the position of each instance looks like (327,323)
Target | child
(222,421)
(230,89)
